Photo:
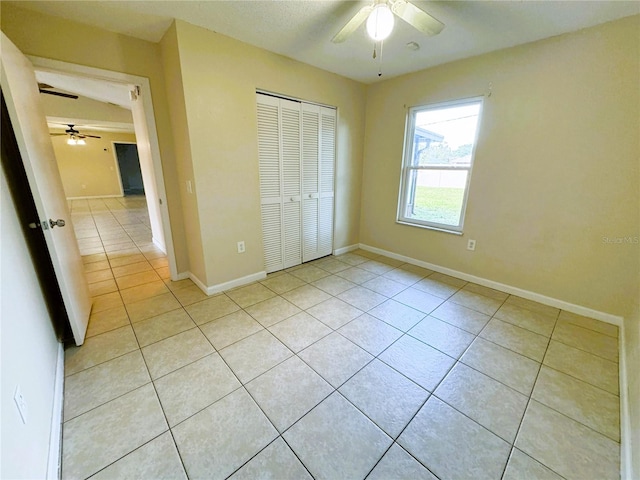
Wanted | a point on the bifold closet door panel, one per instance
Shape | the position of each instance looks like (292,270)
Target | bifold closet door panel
(272,236)
(310,180)
(279,167)
(318,170)
(270,181)
(292,236)
(326,186)
(290,118)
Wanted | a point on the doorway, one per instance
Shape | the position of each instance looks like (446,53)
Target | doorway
(139,92)
(129,166)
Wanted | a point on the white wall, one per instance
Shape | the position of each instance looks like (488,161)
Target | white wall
(28,356)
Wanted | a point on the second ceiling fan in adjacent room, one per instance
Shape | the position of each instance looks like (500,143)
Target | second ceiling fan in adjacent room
(75,137)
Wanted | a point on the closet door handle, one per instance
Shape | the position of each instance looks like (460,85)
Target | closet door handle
(310,195)
(291,199)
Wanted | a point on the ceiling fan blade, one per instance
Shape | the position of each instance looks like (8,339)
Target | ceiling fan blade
(57,134)
(83,135)
(352,24)
(417,18)
(59,94)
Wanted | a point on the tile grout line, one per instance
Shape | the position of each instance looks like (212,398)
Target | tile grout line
(164,414)
(246,390)
(334,330)
(432,394)
(151,380)
(526,408)
(378,275)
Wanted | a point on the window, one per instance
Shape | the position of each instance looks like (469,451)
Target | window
(436,167)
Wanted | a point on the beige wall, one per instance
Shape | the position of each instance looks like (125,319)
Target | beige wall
(89,170)
(220,77)
(51,37)
(556,166)
(180,129)
(632,363)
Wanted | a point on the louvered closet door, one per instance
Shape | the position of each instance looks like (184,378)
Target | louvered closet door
(310,181)
(290,114)
(296,155)
(318,168)
(326,184)
(269,150)
(279,151)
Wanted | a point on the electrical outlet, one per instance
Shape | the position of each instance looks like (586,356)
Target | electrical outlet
(241,247)
(471,245)
(21,404)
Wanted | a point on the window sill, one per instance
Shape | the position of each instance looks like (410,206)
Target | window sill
(428,227)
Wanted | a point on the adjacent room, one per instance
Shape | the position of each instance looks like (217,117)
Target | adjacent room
(321,239)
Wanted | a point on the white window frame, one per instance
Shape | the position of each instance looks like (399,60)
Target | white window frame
(407,168)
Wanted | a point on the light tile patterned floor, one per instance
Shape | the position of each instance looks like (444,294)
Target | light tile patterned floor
(355,366)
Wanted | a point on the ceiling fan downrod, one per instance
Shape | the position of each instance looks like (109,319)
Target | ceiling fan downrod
(379,57)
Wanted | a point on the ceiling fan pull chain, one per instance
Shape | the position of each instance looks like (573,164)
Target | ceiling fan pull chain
(380,61)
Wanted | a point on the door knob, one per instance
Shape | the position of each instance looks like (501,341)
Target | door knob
(57,223)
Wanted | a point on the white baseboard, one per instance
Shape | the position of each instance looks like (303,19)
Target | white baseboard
(626,468)
(536,297)
(221,287)
(55,437)
(95,197)
(349,248)
(198,282)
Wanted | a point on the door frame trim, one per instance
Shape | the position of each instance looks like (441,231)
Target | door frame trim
(41,63)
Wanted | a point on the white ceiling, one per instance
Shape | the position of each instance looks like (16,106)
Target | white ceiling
(302,29)
(101,90)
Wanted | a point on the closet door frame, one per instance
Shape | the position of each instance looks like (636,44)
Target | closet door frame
(318,195)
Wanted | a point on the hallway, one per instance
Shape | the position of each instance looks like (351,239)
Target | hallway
(349,367)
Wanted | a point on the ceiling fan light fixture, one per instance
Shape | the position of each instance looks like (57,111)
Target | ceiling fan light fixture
(72,141)
(380,22)
(81,142)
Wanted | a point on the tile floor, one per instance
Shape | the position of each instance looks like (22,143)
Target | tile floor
(355,366)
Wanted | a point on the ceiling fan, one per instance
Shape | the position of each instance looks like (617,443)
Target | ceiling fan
(44,88)
(75,137)
(380,18)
